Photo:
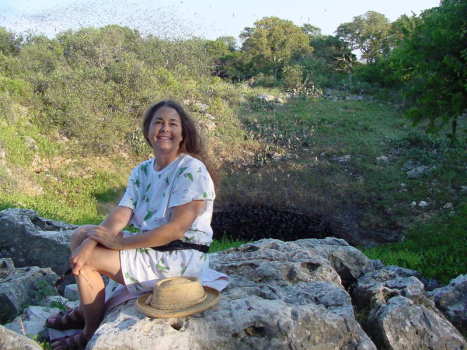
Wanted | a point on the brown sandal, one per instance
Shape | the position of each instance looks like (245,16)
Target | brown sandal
(69,319)
(73,342)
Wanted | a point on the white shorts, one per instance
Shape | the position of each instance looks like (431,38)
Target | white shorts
(142,267)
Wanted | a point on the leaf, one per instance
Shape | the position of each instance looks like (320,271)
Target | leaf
(148,215)
(182,170)
(144,168)
(142,250)
(162,267)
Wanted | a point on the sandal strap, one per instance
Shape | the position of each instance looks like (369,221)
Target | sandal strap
(73,342)
(69,319)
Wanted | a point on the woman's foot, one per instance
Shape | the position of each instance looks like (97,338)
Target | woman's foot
(73,342)
(69,319)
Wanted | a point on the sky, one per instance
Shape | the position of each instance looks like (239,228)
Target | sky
(184,18)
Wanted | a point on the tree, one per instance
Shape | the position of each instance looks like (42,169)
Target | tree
(367,33)
(401,28)
(272,43)
(334,51)
(311,30)
(432,62)
(9,42)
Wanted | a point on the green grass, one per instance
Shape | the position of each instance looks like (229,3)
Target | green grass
(224,243)
(436,249)
(281,155)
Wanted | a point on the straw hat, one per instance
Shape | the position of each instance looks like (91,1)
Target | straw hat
(177,297)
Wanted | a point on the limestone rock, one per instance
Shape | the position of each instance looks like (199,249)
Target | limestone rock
(25,286)
(7,267)
(34,241)
(281,296)
(402,325)
(10,340)
(72,292)
(274,260)
(347,261)
(452,301)
(396,312)
(32,321)
(376,287)
(418,171)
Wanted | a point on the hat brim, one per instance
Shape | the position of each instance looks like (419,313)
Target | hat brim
(212,299)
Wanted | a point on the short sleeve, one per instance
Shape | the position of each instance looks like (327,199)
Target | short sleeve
(130,197)
(192,182)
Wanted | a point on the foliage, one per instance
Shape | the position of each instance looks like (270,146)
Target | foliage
(272,43)
(402,28)
(224,243)
(334,51)
(9,42)
(367,33)
(436,249)
(432,63)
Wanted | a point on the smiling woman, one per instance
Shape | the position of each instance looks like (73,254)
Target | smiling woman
(169,198)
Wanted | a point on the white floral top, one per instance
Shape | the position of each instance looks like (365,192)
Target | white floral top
(152,194)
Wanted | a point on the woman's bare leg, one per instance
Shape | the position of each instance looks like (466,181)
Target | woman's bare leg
(91,285)
(90,282)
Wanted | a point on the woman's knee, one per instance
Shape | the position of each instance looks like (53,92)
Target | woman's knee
(79,235)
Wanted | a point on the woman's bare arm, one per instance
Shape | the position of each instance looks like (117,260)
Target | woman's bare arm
(115,222)
(182,219)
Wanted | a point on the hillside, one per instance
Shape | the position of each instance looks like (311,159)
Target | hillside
(311,165)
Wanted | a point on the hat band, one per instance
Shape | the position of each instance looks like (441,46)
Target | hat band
(166,306)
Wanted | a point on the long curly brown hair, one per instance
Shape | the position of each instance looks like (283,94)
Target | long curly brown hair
(192,142)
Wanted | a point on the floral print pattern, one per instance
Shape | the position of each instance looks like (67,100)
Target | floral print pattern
(152,195)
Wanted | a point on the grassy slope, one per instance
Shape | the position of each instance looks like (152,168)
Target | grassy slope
(292,152)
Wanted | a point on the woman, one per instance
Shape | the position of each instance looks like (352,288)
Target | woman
(169,199)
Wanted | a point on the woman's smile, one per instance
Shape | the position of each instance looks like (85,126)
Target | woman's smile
(165,131)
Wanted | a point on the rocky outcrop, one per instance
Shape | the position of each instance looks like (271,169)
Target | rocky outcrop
(396,312)
(452,301)
(282,296)
(24,286)
(305,294)
(401,324)
(10,340)
(30,240)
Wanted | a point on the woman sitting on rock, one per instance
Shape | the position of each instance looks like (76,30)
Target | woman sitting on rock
(169,198)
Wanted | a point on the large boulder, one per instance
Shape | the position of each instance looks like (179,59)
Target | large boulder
(452,301)
(31,240)
(281,296)
(10,340)
(396,312)
(349,262)
(400,324)
(24,286)
(287,295)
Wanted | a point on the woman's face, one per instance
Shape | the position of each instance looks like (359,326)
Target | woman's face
(165,131)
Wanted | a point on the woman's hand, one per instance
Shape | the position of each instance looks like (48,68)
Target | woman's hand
(105,237)
(81,255)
